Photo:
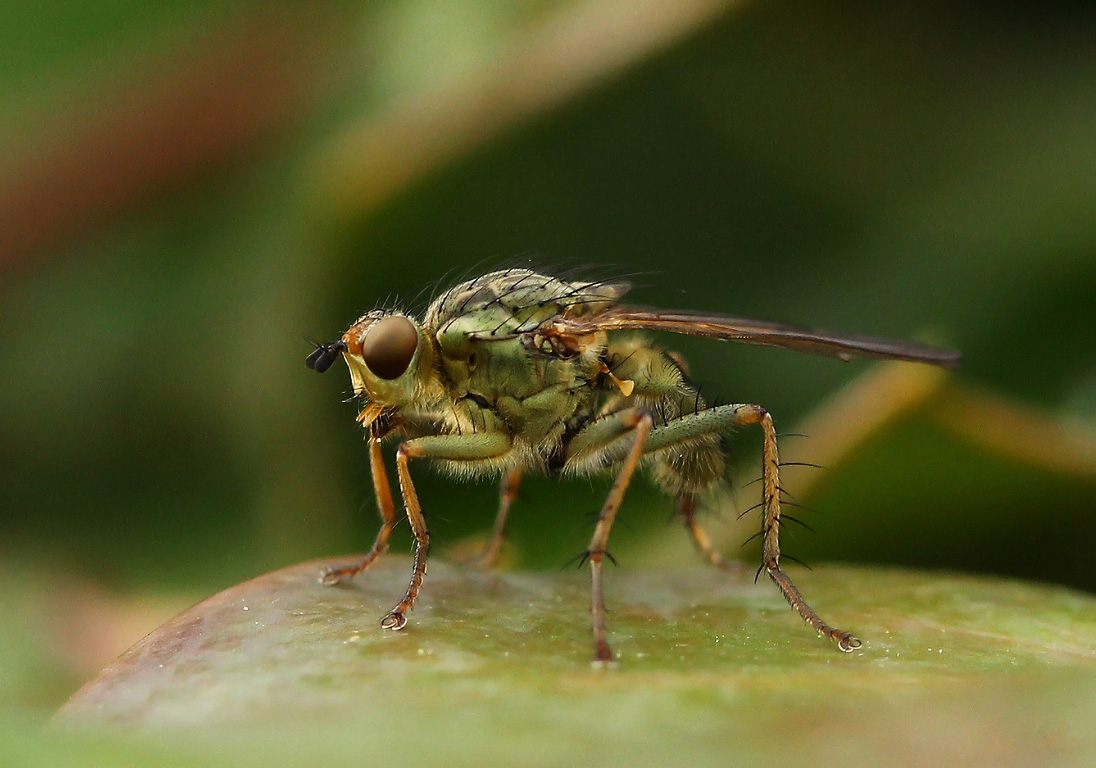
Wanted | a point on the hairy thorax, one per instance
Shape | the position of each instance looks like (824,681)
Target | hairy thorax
(504,369)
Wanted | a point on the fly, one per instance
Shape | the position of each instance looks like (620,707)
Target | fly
(517,371)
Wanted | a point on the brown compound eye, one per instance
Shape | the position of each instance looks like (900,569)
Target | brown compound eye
(389,345)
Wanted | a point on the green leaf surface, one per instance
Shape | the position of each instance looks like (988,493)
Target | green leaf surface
(494,667)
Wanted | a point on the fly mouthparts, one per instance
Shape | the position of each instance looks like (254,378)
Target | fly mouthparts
(324,355)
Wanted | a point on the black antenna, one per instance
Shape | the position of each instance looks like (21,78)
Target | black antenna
(323,356)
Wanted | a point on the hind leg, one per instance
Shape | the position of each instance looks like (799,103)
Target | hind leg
(686,509)
(719,420)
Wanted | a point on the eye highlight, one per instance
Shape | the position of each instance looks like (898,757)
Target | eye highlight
(389,345)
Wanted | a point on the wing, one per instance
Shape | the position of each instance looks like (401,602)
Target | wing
(839,345)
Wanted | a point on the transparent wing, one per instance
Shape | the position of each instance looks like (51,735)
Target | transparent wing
(839,345)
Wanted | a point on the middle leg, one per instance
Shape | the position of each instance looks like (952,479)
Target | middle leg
(600,439)
(508,491)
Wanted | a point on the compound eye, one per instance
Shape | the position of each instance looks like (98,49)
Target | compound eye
(389,345)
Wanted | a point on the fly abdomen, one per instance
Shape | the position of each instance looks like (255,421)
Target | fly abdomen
(692,466)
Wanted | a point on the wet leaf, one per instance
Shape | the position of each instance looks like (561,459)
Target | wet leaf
(494,666)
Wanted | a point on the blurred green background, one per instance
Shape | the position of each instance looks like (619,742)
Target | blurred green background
(189,190)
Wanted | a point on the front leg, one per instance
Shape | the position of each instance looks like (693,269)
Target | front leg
(381,422)
(383,491)
(449,447)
